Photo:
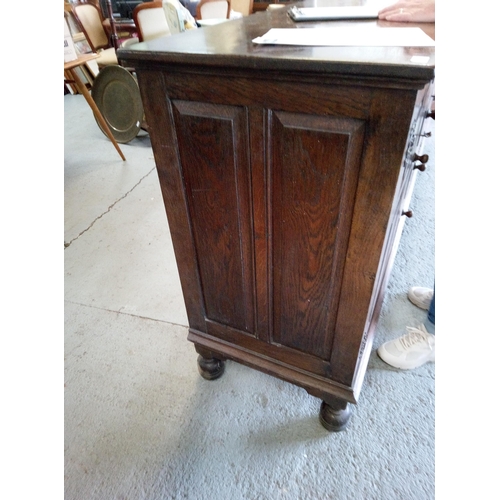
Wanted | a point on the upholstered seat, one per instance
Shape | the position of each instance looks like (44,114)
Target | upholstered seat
(150,20)
(90,19)
(213,9)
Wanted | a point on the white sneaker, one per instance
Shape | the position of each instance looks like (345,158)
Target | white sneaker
(421,296)
(410,351)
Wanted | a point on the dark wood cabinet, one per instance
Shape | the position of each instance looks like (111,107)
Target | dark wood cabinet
(285,173)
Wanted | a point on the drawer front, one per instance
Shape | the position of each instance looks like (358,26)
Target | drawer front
(414,160)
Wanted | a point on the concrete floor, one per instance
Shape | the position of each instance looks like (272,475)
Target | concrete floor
(140,423)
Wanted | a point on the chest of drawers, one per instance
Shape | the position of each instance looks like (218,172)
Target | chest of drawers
(285,174)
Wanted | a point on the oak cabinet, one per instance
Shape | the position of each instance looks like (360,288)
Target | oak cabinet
(285,187)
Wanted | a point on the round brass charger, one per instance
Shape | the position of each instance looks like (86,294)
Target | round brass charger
(116,94)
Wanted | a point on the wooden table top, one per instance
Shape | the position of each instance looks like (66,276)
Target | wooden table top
(82,58)
(230,45)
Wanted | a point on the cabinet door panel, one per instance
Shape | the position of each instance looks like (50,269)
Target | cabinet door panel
(314,163)
(213,151)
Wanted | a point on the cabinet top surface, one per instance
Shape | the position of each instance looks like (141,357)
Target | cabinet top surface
(229,45)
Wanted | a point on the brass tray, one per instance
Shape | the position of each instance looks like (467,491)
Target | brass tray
(116,94)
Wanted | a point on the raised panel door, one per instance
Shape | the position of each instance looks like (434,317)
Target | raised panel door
(312,175)
(213,154)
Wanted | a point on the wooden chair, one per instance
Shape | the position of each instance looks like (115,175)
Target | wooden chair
(213,9)
(245,7)
(115,29)
(150,20)
(90,19)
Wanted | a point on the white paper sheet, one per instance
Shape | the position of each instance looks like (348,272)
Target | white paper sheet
(347,37)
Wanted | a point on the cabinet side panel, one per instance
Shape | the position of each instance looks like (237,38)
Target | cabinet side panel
(313,165)
(161,129)
(213,149)
(370,236)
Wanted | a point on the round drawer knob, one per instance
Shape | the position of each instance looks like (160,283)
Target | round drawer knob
(423,158)
(408,214)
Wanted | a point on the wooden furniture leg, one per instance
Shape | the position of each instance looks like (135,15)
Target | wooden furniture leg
(334,415)
(83,90)
(209,366)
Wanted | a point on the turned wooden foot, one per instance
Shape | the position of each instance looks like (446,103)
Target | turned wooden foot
(335,416)
(210,368)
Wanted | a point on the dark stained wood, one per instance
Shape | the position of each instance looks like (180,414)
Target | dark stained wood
(228,47)
(210,368)
(285,172)
(216,179)
(313,174)
(335,418)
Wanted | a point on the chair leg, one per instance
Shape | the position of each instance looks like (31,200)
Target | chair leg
(83,90)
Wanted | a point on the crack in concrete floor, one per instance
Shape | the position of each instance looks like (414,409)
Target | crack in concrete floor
(67,244)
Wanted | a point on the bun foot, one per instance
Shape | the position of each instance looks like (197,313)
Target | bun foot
(334,418)
(210,368)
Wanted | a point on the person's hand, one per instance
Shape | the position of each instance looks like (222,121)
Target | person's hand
(410,11)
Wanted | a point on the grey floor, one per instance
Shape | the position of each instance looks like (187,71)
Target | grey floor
(140,423)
